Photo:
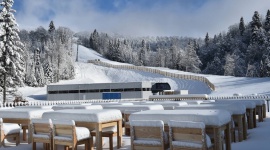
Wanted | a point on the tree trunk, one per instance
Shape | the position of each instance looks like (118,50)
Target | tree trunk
(4,87)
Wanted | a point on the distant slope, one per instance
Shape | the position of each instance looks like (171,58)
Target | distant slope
(89,73)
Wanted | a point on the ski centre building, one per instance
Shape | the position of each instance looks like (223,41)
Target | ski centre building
(123,90)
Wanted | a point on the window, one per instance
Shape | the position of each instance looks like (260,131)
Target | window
(93,91)
(116,90)
(62,92)
(52,92)
(84,91)
(74,91)
(104,90)
(138,89)
(130,89)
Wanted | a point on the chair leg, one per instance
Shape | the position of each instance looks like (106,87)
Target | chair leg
(111,141)
(66,147)
(24,133)
(33,145)
(86,145)
(17,139)
(91,143)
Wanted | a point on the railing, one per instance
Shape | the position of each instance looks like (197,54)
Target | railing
(151,98)
(63,102)
(178,97)
(157,71)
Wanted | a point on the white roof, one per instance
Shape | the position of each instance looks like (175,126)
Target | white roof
(85,115)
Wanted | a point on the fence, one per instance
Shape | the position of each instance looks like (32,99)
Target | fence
(152,98)
(157,71)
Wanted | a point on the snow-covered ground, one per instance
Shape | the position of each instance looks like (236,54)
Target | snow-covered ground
(258,138)
(89,73)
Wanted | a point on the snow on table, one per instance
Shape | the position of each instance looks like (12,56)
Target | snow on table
(23,113)
(193,102)
(60,107)
(123,108)
(234,108)
(167,103)
(34,107)
(112,103)
(85,115)
(248,104)
(214,117)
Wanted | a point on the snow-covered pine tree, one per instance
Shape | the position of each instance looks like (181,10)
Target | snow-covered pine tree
(142,54)
(267,21)
(193,62)
(206,39)
(51,27)
(39,73)
(11,51)
(229,66)
(242,26)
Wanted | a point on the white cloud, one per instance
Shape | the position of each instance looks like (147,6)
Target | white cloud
(169,19)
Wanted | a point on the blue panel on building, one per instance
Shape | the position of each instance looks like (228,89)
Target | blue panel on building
(110,95)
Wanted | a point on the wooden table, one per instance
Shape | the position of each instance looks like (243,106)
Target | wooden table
(93,120)
(215,120)
(237,111)
(250,110)
(22,116)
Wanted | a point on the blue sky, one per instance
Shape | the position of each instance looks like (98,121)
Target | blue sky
(139,17)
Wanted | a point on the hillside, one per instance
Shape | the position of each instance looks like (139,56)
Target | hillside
(89,73)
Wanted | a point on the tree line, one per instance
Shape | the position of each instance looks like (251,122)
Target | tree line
(242,51)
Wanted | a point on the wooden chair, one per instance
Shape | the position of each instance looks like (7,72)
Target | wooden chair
(109,132)
(42,133)
(127,113)
(148,134)
(9,130)
(188,135)
(66,133)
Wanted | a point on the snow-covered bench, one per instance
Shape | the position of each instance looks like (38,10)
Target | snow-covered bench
(188,135)
(237,110)
(93,120)
(214,119)
(22,116)
(148,134)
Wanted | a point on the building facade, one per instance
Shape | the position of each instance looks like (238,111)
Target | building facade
(126,90)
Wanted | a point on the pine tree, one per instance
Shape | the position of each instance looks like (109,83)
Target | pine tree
(267,21)
(142,54)
(39,73)
(93,41)
(11,51)
(51,27)
(193,62)
(207,39)
(242,26)
(256,20)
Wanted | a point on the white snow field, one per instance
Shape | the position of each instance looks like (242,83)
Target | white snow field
(258,138)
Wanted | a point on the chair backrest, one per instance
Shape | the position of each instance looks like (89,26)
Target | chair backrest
(64,128)
(188,134)
(147,130)
(41,126)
